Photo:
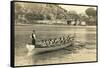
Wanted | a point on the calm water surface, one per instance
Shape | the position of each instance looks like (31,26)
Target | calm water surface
(83,34)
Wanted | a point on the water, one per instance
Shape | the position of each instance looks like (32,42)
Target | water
(83,34)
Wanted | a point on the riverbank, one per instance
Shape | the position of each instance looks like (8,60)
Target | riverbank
(56,25)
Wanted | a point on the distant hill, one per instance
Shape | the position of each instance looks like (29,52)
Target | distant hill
(45,13)
(28,12)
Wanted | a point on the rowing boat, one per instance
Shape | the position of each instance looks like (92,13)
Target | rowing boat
(36,50)
(40,48)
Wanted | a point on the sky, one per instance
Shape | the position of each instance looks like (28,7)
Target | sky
(78,9)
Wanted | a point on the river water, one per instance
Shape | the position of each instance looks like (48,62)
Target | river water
(85,34)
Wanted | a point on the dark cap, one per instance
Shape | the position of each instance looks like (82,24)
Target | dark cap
(33,30)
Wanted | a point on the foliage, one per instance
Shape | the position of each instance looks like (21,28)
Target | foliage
(30,12)
(91,12)
(73,15)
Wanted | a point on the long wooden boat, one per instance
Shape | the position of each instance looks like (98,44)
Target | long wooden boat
(35,50)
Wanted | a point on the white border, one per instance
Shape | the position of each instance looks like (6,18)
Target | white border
(5,34)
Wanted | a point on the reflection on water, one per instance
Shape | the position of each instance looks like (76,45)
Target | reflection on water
(65,56)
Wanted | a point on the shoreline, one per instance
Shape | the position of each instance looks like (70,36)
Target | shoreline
(53,25)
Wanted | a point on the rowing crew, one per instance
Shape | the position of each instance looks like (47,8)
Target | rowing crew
(56,41)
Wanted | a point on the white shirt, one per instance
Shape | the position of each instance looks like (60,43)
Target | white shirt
(34,36)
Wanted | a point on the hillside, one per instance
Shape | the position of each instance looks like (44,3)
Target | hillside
(47,13)
(29,12)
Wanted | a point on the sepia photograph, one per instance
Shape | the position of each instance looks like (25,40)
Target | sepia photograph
(52,33)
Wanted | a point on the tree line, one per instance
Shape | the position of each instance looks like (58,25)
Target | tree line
(28,13)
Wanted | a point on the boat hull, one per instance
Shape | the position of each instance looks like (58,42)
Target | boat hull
(47,49)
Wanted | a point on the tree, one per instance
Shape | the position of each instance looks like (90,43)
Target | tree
(83,17)
(91,12)
(73,15)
